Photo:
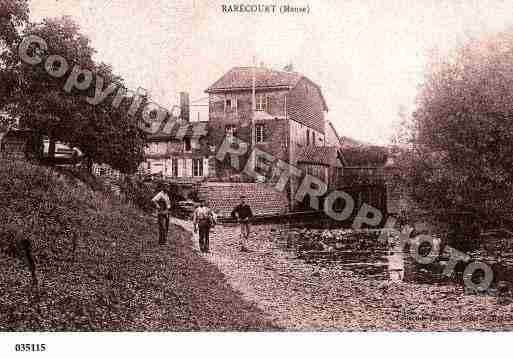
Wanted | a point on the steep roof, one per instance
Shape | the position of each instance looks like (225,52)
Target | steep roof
(366,156)
(239,78)
(323,155)
(348,142)
(334,132)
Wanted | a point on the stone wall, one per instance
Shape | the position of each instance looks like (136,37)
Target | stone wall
(276,139)
(242,110)
(222,197)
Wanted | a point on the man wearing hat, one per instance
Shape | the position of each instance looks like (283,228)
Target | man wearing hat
(243,214)
(163,204)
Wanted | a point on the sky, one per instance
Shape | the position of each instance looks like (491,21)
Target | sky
(368,57)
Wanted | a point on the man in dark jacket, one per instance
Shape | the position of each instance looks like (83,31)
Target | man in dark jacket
(243,214)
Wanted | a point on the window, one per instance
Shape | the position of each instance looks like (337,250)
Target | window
(158,167)
(307,137)
(259,133)
(174,167)
(197,167)
(157,148)
(230,131)
(230,104)
(187,144)
(261,102)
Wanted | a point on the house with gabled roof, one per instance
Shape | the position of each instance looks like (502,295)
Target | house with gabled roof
(290,111)
(282,113)
(182,153)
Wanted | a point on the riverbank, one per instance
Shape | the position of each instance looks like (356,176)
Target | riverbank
(75,259)
(307,296)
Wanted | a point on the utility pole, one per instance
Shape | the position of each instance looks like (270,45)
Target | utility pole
(253,108)
(253,100)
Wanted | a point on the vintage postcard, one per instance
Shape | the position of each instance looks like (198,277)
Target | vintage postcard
(245,166)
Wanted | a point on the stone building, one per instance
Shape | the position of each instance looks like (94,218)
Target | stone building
(289,110)
(184,155)
(282,113)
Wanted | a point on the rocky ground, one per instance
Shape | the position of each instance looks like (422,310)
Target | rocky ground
(298,295)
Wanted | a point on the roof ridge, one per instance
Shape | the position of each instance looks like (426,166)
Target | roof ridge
(267,68)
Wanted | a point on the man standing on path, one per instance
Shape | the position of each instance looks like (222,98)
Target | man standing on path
(243,214)
(203,219)
(163,204)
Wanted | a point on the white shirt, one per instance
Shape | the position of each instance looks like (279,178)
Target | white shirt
(162,196)
(203,212)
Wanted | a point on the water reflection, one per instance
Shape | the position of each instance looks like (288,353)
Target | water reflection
(395,267)
(360,252)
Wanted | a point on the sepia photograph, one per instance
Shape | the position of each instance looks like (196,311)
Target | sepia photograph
(170,167)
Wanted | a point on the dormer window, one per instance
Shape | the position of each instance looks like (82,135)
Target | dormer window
(187,144)
(230,103)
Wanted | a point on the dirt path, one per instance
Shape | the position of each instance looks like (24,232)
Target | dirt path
(302,296)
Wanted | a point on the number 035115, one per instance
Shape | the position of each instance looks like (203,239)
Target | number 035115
(30,347)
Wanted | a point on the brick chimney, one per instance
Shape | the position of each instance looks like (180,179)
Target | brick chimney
(184,106)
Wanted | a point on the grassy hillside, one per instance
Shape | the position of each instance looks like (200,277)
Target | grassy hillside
(98,265)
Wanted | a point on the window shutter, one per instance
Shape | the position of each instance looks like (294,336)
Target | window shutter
(169,167)
(205,167)
(181,169)
(199,165)
(219,106)
(188,167)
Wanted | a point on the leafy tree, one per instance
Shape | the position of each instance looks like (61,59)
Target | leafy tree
(103,132)
(462,131)
(13,14)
